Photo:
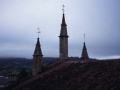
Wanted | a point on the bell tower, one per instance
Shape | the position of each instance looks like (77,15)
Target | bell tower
(63,39)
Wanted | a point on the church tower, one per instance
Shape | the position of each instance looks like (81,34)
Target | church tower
(63,40)
(84,55)
(37,57)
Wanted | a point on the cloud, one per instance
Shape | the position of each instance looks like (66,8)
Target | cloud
(99,20)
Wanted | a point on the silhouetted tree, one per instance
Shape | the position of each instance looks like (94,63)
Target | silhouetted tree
(22,74)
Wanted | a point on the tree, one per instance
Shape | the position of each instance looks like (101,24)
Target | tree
(23,73)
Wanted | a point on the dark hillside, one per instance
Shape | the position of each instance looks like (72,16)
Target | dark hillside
(11,63)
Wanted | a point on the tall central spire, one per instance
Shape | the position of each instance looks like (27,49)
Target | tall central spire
(63,25)
(63,39)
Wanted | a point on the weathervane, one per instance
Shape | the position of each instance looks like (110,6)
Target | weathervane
(63,8)
(38,31)
(84,37)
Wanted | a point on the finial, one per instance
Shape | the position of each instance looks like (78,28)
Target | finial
(38,31)
(84,37)
(63,8)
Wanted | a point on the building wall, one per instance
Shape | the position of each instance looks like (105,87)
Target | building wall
(63,48)
(37,64)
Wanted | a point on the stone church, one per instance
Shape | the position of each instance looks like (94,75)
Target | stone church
(63,48)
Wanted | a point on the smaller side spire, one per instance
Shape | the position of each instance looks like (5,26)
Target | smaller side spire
(38,46)
(37,57)
(84,55)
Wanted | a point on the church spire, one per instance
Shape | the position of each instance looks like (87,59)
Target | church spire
(63,46)
(37,57)
(84,55)
(63,32)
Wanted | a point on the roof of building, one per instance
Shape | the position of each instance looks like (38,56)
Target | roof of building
(74,75)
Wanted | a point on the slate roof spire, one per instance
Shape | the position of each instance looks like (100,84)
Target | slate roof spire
(38,51)
(84,54)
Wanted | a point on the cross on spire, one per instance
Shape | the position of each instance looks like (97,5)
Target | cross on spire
(84,37)
(63,8)
(38,31)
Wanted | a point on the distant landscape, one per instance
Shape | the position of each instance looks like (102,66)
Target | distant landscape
(20,63)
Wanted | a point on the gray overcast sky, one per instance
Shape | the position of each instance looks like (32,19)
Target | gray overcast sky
(98,19)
